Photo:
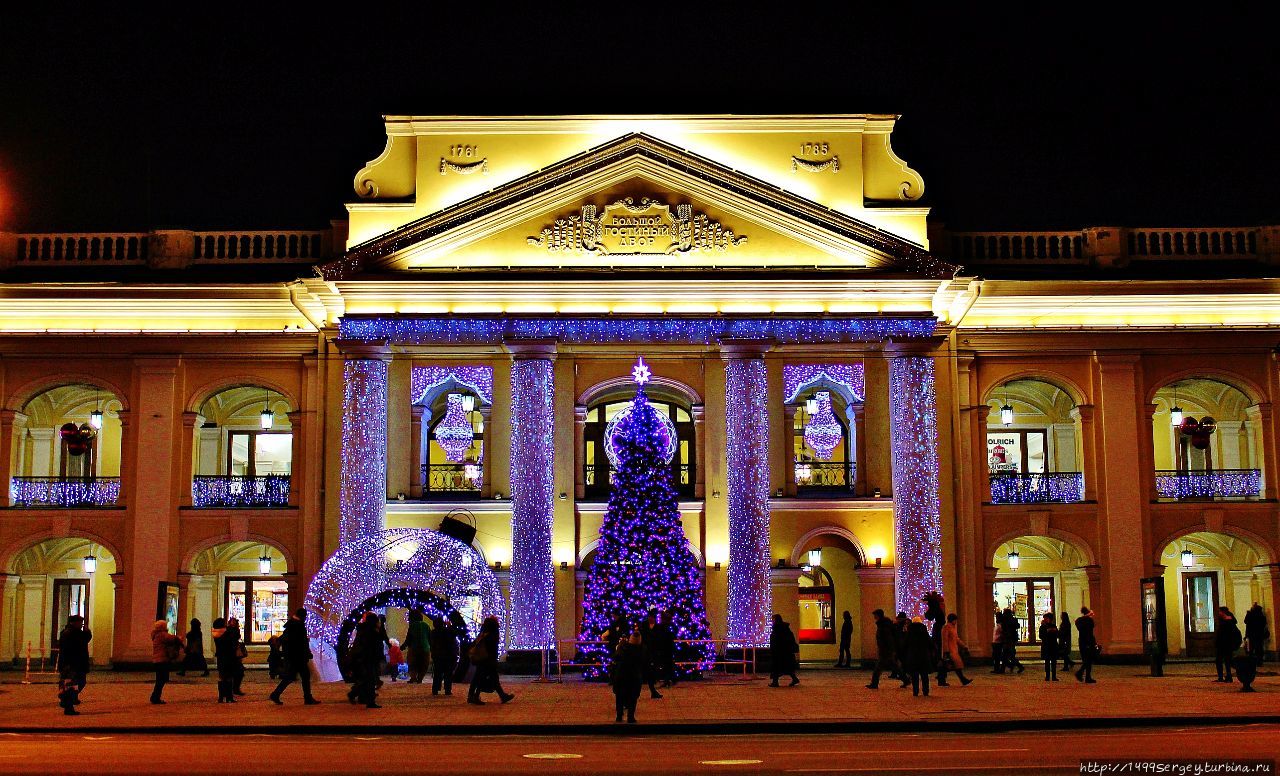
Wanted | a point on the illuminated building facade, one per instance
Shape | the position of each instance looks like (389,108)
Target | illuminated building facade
(863,411)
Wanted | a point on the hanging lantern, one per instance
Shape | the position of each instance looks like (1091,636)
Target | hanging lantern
(1015,560)
(815,556)
(1006,414)
(95,419)
(1175,416)
(823,432)
(1188,559)
(264,562)
(454,432)
(90,562)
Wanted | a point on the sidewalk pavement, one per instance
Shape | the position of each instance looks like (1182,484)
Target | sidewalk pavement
(827,700)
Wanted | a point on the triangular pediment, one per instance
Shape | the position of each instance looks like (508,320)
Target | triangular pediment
(636,203)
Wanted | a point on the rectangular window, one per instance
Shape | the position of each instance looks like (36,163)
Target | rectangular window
(70,596)
(1030,599)
(1017,452)
(259,453)
(261,604)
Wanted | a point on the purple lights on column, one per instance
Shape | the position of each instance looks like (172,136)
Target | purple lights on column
(917,535)
(532,486)
(747,438)
(363,485)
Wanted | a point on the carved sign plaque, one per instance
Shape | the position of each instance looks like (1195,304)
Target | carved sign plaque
(647,227)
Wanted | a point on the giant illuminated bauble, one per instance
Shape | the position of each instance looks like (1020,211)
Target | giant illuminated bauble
(1189,426)
(1200,440)
(69,431)
(665,435)
(1208,425)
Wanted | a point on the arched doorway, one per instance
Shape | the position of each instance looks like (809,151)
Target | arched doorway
(828,585)
(1034,444)
(398,559)
(68,448)
(242,579)
(1036,575)
(52,580)
(1208,441)
(1205,570)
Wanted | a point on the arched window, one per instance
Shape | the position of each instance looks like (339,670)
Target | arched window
(597,471)
(818,470)
(454,465)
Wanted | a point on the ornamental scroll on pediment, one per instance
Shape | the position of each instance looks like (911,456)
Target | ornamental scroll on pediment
(648,227)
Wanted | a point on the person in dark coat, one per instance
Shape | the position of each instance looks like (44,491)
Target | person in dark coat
(366,661)
(1255,633)
(784,651)
(241,652)
(845,658)
(275,658)
(1226,640)
(886,644)
(616,631)
(1088,644)
(444,656)
(626,674)
(650,652)
(193,659)
(1064,642)
(1009,632)
(997,645)
(1049,646)
(166,649)
(484,655)
(920,656)
(664,643)
(900,648)
(73,663)
(224,660)
(295,647)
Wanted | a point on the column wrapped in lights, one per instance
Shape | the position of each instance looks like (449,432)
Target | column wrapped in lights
(747,440)
(913,434)
(363,483)
(532,494)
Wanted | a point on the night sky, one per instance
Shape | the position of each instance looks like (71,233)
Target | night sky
(1016,119)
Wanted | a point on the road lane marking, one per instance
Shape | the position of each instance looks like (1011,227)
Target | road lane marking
(552,756)
(98,738)
(947,768)
(368,738)
(898,751)
(730,762)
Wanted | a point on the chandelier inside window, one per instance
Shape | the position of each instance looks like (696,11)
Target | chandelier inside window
(454,432)
(823,433)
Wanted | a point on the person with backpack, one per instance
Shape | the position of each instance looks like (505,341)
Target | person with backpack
(166,649)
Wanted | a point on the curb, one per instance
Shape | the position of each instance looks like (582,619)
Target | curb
(761,727)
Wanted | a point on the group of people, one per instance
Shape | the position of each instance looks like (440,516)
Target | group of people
(911,654)
(638,657)
(1227,639)
(1054,636)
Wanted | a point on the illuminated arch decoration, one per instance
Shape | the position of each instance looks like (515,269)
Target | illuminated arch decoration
(427,382)
(847,380)
(430,604)
(398,558)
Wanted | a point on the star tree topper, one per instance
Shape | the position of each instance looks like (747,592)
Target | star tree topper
(640,373)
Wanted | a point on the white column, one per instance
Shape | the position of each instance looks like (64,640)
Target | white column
(211,460)
(42,460)
(1241,584)
(8,614)
(1064,447)
(32,590)
(1229,432)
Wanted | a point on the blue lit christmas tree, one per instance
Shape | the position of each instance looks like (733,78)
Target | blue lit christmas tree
(643,561)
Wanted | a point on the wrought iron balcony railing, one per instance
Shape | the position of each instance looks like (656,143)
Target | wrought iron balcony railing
(815,478)
(229,491)
(1037,488)
(600,489)
(64,491)
(452,480)
(1222,483)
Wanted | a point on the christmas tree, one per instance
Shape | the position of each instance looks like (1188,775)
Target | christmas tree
(643,561)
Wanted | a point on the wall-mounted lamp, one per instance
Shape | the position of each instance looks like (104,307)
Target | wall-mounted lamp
(715,494)
(497,495)
(497,565)
(782,563)
(879,562)
(1015,560)
(1188,558)
(564,565)
(564,496)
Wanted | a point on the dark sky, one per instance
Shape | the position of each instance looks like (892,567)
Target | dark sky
(1016,118)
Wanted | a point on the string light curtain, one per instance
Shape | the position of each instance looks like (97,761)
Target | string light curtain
(913,436)
(747,433)
(532,486)
(363,487)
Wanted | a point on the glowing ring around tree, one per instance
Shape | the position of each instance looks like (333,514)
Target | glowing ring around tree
(669,440)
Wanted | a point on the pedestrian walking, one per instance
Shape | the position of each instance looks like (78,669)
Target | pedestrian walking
(1049,646)
(166,649)
(444,656)
(417,647)
(664,644)
(997,646)
(274,657)
(484,655)
(224,660)
(626,673)
(784,652)
(920,657)
(295,648)
(649,664)
(953,652)
(73,663)
(366,661)
(1255,633)
(238,655)
(1088,645)
(900,647)
(193,652)
(1226,640)
(845,658)
(1010,632)
(1064,642)
(1246,672)
(885,648)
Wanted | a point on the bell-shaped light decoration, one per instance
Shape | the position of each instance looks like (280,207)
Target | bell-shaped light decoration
(454,432)
(815,556)
(264,562)
(1015,560)
(1188,559)
(90,563)
(1006,414)
(823,432)
(95,419)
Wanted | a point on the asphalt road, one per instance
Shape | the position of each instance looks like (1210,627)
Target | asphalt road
(1018,752)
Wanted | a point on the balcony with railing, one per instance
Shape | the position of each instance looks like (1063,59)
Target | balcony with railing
(64,492)
(598,488)
(1037,487)
(825,479)
(452,481)
(1106,246)
(1209,485)
(229,491)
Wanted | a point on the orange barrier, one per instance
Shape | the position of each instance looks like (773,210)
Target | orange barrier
(45,665)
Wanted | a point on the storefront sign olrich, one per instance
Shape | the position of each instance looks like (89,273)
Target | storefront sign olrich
(626,227)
